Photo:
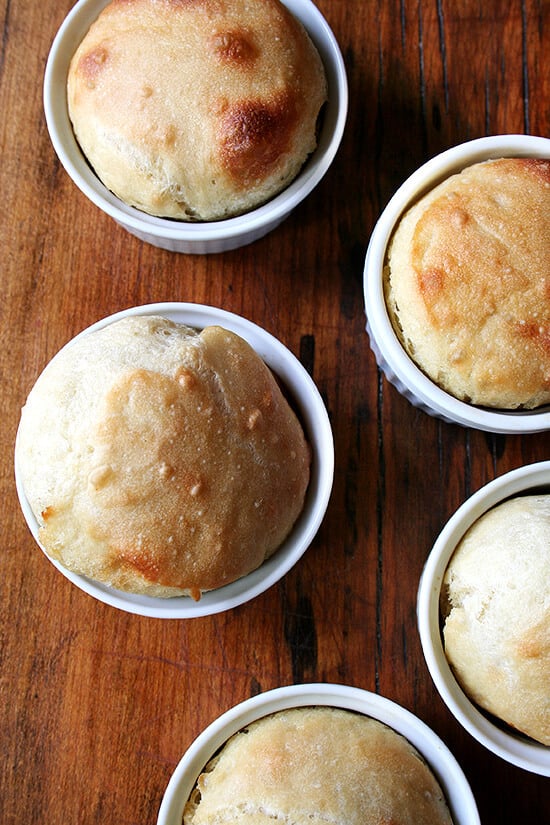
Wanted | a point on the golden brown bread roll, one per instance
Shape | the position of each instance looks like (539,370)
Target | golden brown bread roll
(160,460)
(317,765)
(196,110)
(497,596)
(468,283)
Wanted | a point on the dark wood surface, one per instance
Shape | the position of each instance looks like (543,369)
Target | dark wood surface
(98,705)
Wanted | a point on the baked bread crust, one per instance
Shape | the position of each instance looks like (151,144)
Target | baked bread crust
(313,765)
(160,460)
(497,631)
(196,110)
(468,283)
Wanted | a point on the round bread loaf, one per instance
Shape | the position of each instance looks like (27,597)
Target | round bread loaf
(196,110)
(467,283)
(160,460)
(313,765)
(497,599)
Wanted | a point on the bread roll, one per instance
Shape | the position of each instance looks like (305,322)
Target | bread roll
(468,280)
(497,631)
(160,460)
(314,765)
(196,110)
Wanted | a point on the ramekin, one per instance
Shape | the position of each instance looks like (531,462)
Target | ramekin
(500,740)
(179,236)
(304,394)
(439,758)
(390,355)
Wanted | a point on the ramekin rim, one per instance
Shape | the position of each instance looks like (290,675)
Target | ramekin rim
(271,212)
(512,747)
(318,429)
(379,325)
(458,793)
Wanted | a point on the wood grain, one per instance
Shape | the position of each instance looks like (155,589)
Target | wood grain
(98,706)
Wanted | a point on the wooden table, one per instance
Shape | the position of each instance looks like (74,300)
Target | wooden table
(98,705)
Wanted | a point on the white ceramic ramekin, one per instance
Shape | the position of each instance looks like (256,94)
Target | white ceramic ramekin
(396,364)
(179,236)
(504,742)
(441,761)
(304,394)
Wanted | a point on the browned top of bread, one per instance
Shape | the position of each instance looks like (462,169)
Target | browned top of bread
(161,460)
(468,283)
(196,109)
(313,765)
(497,600)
